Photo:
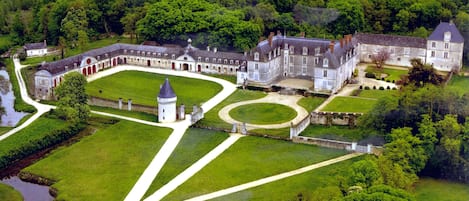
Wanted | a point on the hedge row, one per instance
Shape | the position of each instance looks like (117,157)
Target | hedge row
(32,146)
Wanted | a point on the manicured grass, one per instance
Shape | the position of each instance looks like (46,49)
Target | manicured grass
(105,165)
(378,94)
(459,84)
(8,193)
(193,146)
(143,88)
(20,105)
(229,78)
(39,60)
(3,130)
(393,74)
(138,115)
(263,113)
(249,159)
(97,44)
(427,189)
(311,103)
(343,133)
(280,132)
(211,118)
(289,188)
(350,104)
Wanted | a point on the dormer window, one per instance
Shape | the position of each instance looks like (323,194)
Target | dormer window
(325,63)
(207,60)
(159,54)
(199,59)
(446,45)
(98,57)
(256,56)
(125,51)
(305,51)
(433,44)
(292,50)
(173,56)
(132,51)
(270,55)
(214,60)
(231,61)
(317,51)
(447,37)
(341,60)
(225,61)
(219,60)
(237,62)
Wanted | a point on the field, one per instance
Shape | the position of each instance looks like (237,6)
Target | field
(8,193)
(311,103)
(263,113)
(350,104)
(143,88)
(211,118)
(289,188)
(193,146)
(459,84)
(428,189)
(251,158)
(105,165)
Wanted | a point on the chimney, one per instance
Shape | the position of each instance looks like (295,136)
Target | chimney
(208,48)
(279,33)
(302,34)
(350,38)
(45,43)
(342,41)
(215,50)
(331,46)
(271,36)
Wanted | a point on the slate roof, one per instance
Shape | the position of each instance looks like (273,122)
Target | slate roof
(35,46)
(166,90)
(439,33)
(391,40)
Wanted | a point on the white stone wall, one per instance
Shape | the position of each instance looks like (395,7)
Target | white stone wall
(167,109)
(36,53)
(399,56)
(436,55)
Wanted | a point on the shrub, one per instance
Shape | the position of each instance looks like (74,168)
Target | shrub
(382,78)
(367,88)
(356,92)
(22,56)
(361,87)
(393,81)
(370,75)
(388,80)
(388,88)
(394,88)
(374,87)
(381,88)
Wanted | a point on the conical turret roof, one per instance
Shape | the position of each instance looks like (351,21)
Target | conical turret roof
(166,90)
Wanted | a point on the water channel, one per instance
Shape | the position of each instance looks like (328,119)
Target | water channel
(29,191)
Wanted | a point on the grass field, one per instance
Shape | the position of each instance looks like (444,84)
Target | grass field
(105,165)
(310,103)
(8,193)
(263,113)
(138,115)
(143,88)
(39,60)
(343,133)
(459,84)
(193,146)
(378,94)
(249,159)
(427,189)
(393,74)
(289,188)
(350,104)
(211,118)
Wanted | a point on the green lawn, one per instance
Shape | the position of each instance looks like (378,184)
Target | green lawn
(311,103)
(8,193)
(343,133)
(193,146)
(249,159)
(39,60)
(378,94)
(280,132)
(427,189)
(3,130)
(459,84)
(393,74)
(229,78)
(143,88)
(138,115)
(105,165)
(211,118)
(289,188)
(350,104)
(263,113)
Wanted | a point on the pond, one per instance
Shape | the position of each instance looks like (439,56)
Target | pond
(11,117)
(29,191)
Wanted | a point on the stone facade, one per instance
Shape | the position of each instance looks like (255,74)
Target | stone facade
(35,49)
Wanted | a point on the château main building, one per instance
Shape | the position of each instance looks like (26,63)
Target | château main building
(329,64)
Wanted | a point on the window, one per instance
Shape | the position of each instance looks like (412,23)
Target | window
(292,49)
(317,50)
(325,63)
(341,60)
(305,50)
(214,60)
(199,59)
(304,60)
(270,55)
(225,61)
(291,59)
(237,62)
(256,66)
(325,73)
(316,60)
(406,51)
(256,56)
(303,70)
(231,61)
(446,45)
(433,44)
(207,60)
(173,56)
(445,55)
(433,54)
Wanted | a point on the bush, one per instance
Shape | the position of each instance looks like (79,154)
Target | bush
(393,81)
(388,80)
(356,92)
(361,87)
(388,88)
(382,78)
(381,88)
(374,87)
(394,88)
(367,88)
(22,56)
(370,75)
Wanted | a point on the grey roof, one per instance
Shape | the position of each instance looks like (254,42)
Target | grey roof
(166,90)
(439,33)
(35,46)
(391,40)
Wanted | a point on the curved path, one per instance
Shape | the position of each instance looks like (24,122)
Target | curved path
(288,100)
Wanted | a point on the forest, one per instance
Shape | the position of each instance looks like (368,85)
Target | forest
(227,24)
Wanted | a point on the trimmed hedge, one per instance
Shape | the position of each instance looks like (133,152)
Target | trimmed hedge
(370,75)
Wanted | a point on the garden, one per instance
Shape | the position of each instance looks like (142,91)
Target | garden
(350,104)
(263,113)
(387,73)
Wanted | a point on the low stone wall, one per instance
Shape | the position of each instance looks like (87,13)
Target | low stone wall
(295,130)
(124,105)
(349,146)
(334,118)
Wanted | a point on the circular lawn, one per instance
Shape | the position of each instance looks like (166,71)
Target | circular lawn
(263,113)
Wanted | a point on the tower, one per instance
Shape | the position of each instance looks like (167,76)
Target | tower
(166,103)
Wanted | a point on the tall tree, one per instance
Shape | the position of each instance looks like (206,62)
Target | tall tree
(72,99)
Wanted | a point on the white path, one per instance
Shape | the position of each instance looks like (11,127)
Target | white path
(196,167)
(272,178)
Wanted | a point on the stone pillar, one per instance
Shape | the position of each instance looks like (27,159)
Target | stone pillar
(120,103)
(195,109)
(292,130)
(354,146)
(234,128)
(182,112)
(129,105)
(244,130)
(368,148)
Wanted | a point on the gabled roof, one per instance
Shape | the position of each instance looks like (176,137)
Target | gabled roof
(35,46)
(391,40)
(439,33)
(166,90)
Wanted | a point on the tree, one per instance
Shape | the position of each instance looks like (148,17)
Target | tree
(382,193)
(130,20)
(421,74)
(427,133)
(351,18)
(393,175)
(380,57)
(364,173)
(72,99)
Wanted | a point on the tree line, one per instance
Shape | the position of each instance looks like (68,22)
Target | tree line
(237,24)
